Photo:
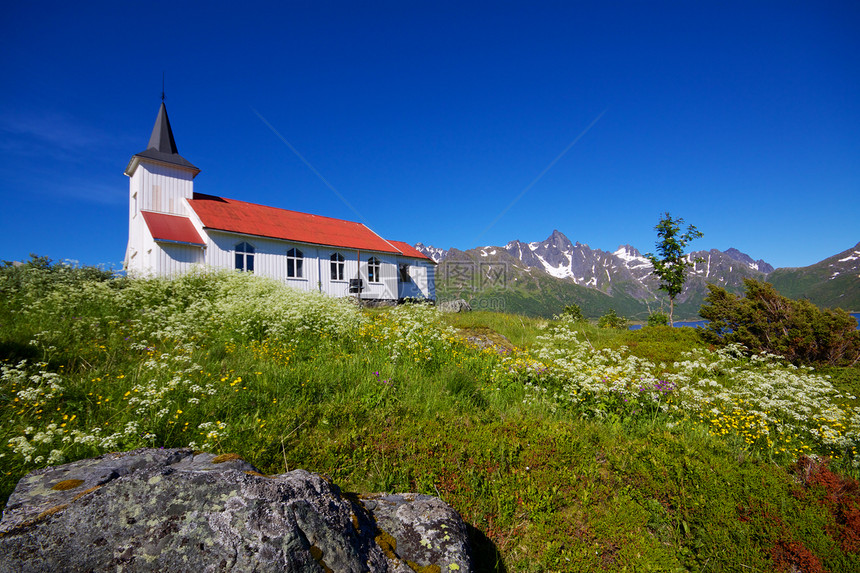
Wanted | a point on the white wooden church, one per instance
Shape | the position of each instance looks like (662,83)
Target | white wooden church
(172,229)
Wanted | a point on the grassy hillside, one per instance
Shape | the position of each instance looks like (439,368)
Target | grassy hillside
(565,447)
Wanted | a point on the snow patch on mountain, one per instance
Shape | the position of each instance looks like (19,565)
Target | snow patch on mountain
(560,271)
(852,257)
(631,258)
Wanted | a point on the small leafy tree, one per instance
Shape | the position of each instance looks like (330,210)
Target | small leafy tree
(671,265)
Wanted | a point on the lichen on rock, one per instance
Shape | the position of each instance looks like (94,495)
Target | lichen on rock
(430,535)
(176,510)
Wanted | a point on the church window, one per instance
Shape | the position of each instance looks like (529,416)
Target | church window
(373,270)
(245,257)
(337,267)
(295,259)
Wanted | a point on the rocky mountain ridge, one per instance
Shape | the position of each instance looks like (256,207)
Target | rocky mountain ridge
(624,273)
(578,263)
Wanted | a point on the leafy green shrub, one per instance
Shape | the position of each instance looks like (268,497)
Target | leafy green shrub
(612,320)
(658,319)
(765,321)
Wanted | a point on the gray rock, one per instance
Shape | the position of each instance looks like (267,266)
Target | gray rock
(45,489)
(458,305)
(173,510)
(425,530)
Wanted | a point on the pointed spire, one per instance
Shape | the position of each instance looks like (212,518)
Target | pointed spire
(162,136)
(162,146)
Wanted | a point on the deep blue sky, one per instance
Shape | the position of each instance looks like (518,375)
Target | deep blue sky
(431,118)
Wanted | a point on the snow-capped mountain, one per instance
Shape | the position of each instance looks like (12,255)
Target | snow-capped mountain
(625,278)
(625,271)
(582,265)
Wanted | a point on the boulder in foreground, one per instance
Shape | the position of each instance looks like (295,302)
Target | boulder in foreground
(173,510)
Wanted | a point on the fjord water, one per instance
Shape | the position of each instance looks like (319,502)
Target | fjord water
(701,323)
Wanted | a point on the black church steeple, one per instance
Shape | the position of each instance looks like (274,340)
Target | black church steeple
(162,145)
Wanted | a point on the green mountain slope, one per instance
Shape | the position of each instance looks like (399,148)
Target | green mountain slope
(833,282)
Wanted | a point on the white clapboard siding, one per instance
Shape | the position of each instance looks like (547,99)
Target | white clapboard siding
(161,188)
(270,257)
(176,259)
(334,286)
(270,260)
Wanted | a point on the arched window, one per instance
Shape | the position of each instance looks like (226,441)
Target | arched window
(337,267)
(245,257)
(295,258)
(373,270)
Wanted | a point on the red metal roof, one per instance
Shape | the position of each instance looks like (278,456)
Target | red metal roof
(222,214)
(172,228)
(409,250)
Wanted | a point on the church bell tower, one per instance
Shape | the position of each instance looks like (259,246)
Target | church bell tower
(160,181)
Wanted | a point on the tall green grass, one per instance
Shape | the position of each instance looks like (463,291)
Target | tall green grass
(566,447)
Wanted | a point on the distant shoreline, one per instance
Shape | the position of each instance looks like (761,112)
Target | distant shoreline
(702,322)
